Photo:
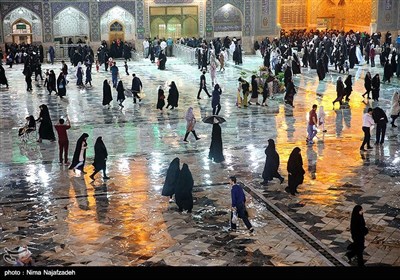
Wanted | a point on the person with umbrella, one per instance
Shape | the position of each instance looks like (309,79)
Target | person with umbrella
(216,152)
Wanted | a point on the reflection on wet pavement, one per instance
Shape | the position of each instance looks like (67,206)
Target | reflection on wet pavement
(66,220)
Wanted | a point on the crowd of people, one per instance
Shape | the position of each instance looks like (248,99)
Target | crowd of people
(286,55)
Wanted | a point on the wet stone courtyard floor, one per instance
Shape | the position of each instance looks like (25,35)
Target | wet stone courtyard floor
(66,220)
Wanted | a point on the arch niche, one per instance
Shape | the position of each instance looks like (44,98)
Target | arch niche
(22,26)
(112,21)
(71,23)
(158,28)
(190,28)
(228,21)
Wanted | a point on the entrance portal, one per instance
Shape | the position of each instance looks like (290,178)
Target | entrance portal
(21,32)
(174,22)
(116,32)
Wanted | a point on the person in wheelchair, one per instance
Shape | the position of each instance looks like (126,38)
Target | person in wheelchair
(29,126)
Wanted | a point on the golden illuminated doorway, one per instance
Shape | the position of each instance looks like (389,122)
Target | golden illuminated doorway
(116,32)
(356,15)
(21,32)
(174,22)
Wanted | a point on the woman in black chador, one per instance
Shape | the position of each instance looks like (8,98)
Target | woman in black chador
(46,126)
(358,232)
(161,98)
(51,84)
(183,190)
(173,96)
(349,87)
(295,171)
(367,84)
(78,161)
(3,78)
(320,69)
(216,153)
(100,158)
(171,180)
(107,97)
(120,94)
(61,85)
(271,164)
(376,84)
(162,58)
(290,92)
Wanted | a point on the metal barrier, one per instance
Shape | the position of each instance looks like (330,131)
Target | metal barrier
(185,53)
(61,50)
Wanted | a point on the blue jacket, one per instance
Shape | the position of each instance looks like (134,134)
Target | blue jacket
(238,197)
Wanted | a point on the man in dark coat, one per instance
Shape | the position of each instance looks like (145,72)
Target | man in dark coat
(137,87)
(100,158)
(239,205)
(183,190)
(203,85)
(381,120)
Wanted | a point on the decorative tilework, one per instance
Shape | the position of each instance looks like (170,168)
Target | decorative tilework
(140,17)
(247,18)
(201,19)
(237,3)
(47,26)
(209,19)
(1,30)
(173,1)
(7,7)
(94,22)
(32,18)
(227,20)
(59,6)
(264,13)
(146,19)
(265,7)
(127,5)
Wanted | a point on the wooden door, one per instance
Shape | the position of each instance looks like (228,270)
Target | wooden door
(117,31)
(115,35)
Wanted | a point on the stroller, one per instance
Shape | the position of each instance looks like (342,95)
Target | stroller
(28,129)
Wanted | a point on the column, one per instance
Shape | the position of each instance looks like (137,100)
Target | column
(374,16)
(201,20)
(94,22)
(47,22)
(141,28)
(209,19)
